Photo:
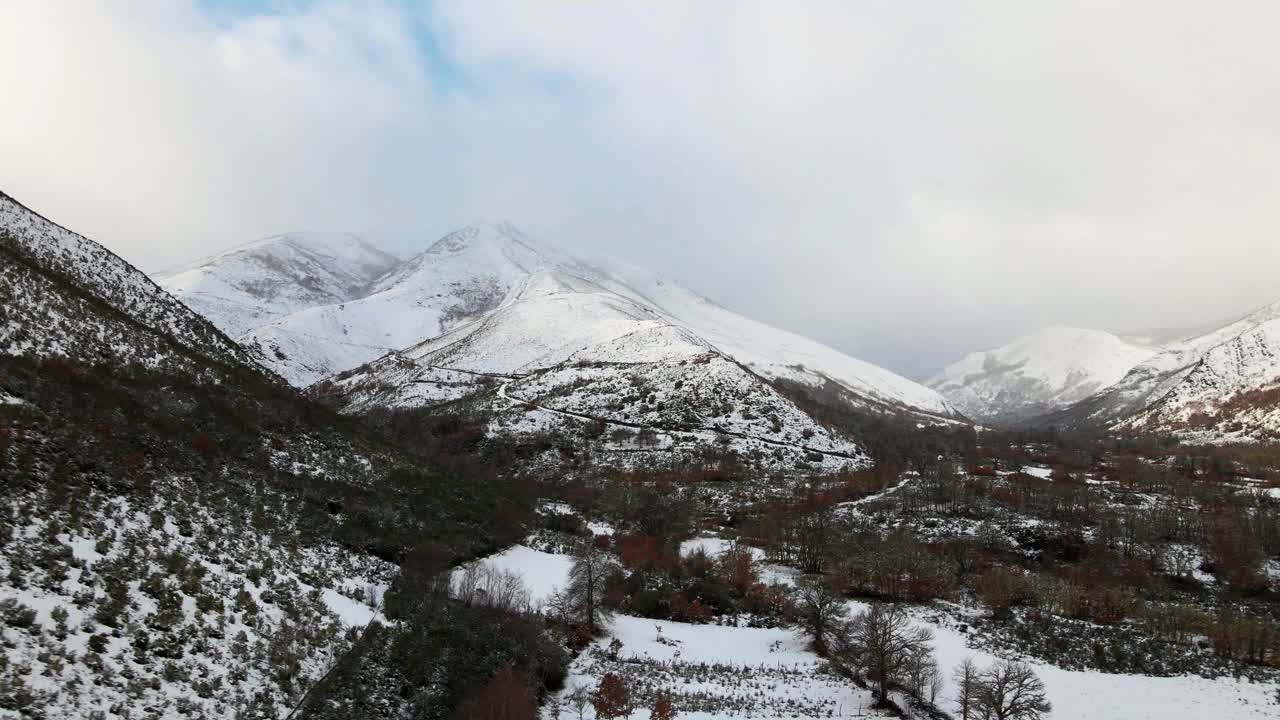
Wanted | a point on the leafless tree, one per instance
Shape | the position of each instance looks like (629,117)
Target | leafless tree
(968,681)
(580,700)
(591,566)
(819,611)
(1011,691)
(882,643)
(484,585)
(559,607)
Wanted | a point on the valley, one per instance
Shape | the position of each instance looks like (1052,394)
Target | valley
(494,478)
(511,360)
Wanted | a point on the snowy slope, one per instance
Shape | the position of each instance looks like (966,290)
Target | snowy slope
(474,274)
(265,280)
(1218,385)
(459,277)
(62,294)
(562,353)
(769,351)
(1045,371)
(1232,391)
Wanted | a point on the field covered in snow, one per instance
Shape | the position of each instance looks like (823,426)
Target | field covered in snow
(722,671)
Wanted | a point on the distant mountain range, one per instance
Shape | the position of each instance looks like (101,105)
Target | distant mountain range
(488,314)
(1222,385)
(1037,374)
(1215,386)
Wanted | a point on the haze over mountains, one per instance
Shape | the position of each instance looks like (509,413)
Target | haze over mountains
(1036,374)
(1219,385)
(487,302)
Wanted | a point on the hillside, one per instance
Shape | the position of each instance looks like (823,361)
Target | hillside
(474,270)
(183,535)
(1212,387)
(66,296)
(1036,374)
(563,353)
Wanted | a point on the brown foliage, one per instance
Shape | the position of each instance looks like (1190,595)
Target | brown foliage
(612,698)
(999,588)
(505,697)
(663,709)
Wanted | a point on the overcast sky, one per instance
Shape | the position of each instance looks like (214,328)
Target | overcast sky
(906,181)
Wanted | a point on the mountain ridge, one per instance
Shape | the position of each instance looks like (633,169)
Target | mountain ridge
(473,271)
(1215,387)
(1041,372)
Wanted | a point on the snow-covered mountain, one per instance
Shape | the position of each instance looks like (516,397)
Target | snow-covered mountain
(254,284)
(456,279)
(63,295)
(488,314)
(1222,385)
(564,353)
(768,351)
(470,274)
(1037,374)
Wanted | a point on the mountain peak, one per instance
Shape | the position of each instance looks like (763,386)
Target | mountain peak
(477,271)
(456,241)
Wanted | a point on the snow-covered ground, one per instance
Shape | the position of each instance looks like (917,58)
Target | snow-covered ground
(1099,696)
(178,646)
(543,573)
(1043,473)
(734,672)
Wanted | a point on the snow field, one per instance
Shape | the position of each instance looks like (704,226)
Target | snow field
(733,672)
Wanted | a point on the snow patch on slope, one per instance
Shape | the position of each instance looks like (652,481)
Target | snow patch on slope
(769,351)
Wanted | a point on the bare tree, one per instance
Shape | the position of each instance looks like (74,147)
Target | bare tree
(559,607)
(936,681)
(968,683)
(591,566)
(1011,691)
(819,611)
(923,676)
(580,700)
(483,585)
(882,643)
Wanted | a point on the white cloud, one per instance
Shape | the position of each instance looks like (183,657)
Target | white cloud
(901,179)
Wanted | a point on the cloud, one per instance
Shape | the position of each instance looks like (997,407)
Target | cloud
(904,181)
